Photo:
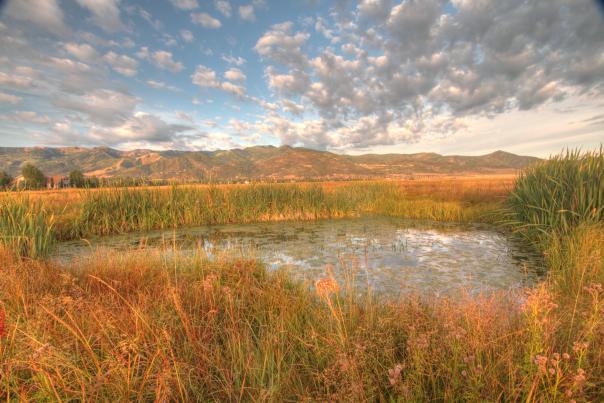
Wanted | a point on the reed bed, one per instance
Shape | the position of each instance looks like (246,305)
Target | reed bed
(26,228)
(120,210)
(557,195)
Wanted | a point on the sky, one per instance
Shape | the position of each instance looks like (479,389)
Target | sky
(377,76)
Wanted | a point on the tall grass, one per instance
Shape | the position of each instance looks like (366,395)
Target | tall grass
(26,228)
(124,210)
(557,195)
(150,327)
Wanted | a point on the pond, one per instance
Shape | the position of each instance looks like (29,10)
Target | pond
(389,255)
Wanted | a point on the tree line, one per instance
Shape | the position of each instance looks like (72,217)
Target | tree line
(33,178)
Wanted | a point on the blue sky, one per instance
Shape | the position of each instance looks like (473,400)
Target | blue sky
(456,77)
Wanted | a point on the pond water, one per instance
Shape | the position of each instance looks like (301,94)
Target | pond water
(390,255)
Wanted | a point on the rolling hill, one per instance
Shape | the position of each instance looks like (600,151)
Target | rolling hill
(260,162)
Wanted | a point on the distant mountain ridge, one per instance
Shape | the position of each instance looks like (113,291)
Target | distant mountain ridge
(259,162)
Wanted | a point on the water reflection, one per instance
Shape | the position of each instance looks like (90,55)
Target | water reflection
(390,255)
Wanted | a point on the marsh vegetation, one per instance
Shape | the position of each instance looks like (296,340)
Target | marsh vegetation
(149,326)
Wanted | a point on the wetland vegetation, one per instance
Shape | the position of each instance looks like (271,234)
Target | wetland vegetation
(152,326)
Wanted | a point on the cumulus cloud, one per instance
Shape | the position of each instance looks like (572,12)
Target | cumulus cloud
(414,68)
(281,45)
(16,80)
(238,61)
(223,7)
(205,77)
(187,35)
(160,85)
(161,58)
(234,75)
(185,4)
(45,14)
(105,13)
(83,52)
(101,106)
(30,117)
(205,20)
(140,127)
(9,98)
(246,13)
(122,64)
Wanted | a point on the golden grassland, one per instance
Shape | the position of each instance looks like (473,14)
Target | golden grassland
(148,326)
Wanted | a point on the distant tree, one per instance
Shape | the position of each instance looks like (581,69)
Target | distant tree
(77,179)
(34,178)
(5,179)
(93,182)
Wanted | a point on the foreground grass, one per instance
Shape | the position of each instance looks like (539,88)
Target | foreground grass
(148,327)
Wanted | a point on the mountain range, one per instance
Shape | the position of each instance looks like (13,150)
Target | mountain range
(259,162)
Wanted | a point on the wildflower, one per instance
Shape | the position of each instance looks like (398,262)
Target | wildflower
(464,373)
(579,379)
(579,346)
(394,374)
(552,371)
(541,362)
(566,356)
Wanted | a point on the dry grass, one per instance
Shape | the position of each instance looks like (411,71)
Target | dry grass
(149,327)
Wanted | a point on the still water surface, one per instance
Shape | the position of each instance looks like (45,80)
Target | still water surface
(390,255)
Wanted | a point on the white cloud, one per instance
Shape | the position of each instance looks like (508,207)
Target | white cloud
(83,52)
(161,58)
(160,85)
(233,89)
(246,13)
(164,61)
(9,98)
(234,75)
(205,20)
(238,61)
(139,127)
(45,14)
(105,13)
(68,65)
(16,81)
(223,7)
(187,35)
(185,4)
(280,45)
(31,117)
(205,77)
(122,64)
(101,106)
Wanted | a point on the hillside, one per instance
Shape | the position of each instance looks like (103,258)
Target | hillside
(251,163)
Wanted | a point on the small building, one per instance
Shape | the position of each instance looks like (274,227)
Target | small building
(57,182)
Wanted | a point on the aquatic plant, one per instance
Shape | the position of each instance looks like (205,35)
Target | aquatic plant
(25,228)
(557,195)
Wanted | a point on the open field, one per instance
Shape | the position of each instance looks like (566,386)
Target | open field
(153,327)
